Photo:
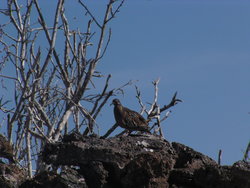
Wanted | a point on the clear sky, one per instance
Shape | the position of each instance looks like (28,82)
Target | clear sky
(200,48)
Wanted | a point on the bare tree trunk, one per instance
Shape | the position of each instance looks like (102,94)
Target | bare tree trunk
(50,88)
(28,145)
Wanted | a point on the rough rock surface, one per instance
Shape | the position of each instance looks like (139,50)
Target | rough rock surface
(130,161)
(11,176)
(143,161)
(133,161)
(68,178)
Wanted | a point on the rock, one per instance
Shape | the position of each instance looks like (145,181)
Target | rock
(11,176)
(6,150)
(193,169)
(189,158)
(67,178)
(236,176)
(133,161)
(143,161)
(186,164)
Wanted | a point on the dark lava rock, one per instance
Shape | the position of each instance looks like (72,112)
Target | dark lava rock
(6,150)
(236,176)
(141,161)
(68,178)
(128,161)
(11,176)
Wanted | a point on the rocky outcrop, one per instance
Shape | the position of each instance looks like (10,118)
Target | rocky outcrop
(192,169)
(140,161)
(119,162)
(11,176)
(6,150)
(67,178)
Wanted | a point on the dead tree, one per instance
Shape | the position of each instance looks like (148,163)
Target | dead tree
(52,84)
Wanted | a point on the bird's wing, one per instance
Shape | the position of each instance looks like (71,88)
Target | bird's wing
(133,118)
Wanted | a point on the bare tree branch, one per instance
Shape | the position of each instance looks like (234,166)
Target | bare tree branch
(110,131)
(50,88)
(86,8)
(155,111)
(246,154)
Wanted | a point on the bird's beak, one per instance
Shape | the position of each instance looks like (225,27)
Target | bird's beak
(111,104)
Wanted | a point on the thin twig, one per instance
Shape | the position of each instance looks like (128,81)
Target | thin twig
(219,157)
(110,131)
(116,11)
(152,108)
(91,15)
(138,96)
(246,154)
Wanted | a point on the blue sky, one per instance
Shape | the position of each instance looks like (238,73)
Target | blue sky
(200,49)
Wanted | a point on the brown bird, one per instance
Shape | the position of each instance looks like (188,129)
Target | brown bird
(129,119)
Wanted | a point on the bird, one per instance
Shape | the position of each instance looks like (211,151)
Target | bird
(129,119)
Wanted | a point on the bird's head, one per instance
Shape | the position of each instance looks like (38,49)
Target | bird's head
(116,102)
